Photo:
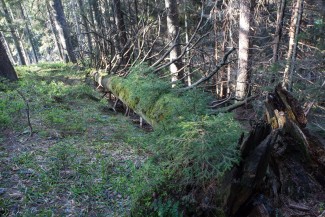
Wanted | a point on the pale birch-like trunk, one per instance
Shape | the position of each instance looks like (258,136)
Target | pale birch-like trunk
(188,51)
(293,42)
(173,36)
(55,34)
(243,74)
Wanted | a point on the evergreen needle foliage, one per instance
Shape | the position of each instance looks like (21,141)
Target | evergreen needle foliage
(190,150)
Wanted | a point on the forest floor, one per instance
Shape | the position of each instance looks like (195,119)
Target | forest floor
(80,156)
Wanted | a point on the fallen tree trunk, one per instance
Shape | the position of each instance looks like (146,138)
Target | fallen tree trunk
(109,84)
(280,166)
(154,99)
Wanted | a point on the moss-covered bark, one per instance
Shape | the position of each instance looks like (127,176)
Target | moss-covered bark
(116,85)
(154,100)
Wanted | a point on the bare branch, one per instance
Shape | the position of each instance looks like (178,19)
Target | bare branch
(205,78)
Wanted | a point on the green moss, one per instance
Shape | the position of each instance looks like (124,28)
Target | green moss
(190,150)
(154,98)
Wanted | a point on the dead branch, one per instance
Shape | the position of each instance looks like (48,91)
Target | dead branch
(27,112)
(233,106)
(218,67)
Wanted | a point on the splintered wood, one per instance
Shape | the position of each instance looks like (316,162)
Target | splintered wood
(281,106)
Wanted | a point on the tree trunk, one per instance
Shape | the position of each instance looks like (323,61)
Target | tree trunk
(293,42)
(6,68)
(86,26)
(55,34)
(80,37)
(173,37)
(63,29)
(243,75)
(14,34)
(9,52)
(121,29)
(29,33)
(188,51)
(278,30)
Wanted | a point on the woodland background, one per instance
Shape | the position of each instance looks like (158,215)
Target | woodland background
(184,67)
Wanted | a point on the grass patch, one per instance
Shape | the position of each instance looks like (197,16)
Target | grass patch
(78,160)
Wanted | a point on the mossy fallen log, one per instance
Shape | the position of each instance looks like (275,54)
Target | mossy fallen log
(199,168)
(191,150)
(113,84)
(154,99)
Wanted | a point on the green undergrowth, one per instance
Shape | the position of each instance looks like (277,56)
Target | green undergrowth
(78,159)
(85,160)
(191,152)
(186,170)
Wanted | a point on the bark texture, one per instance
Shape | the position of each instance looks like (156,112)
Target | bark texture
(14,33)
(243,75)
(6,68)
(122,36)
(28,31)
(63,29)
(173,37)
(278,30)
(293,42)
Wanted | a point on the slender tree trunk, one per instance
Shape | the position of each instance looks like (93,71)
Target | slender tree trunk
(63,29)
(86,26)
(55,34)
(120,24)
(80,37)
(322,39)
(29,33)
(188,51)
(6,68)
(220,27)
(243,75)
(293,42)
(278,30)
(9,52)
(98,28)
(14,33)
(173,35)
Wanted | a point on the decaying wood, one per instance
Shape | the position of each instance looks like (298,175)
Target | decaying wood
(292,106)
(281,163)
(257,151)
(284,111)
